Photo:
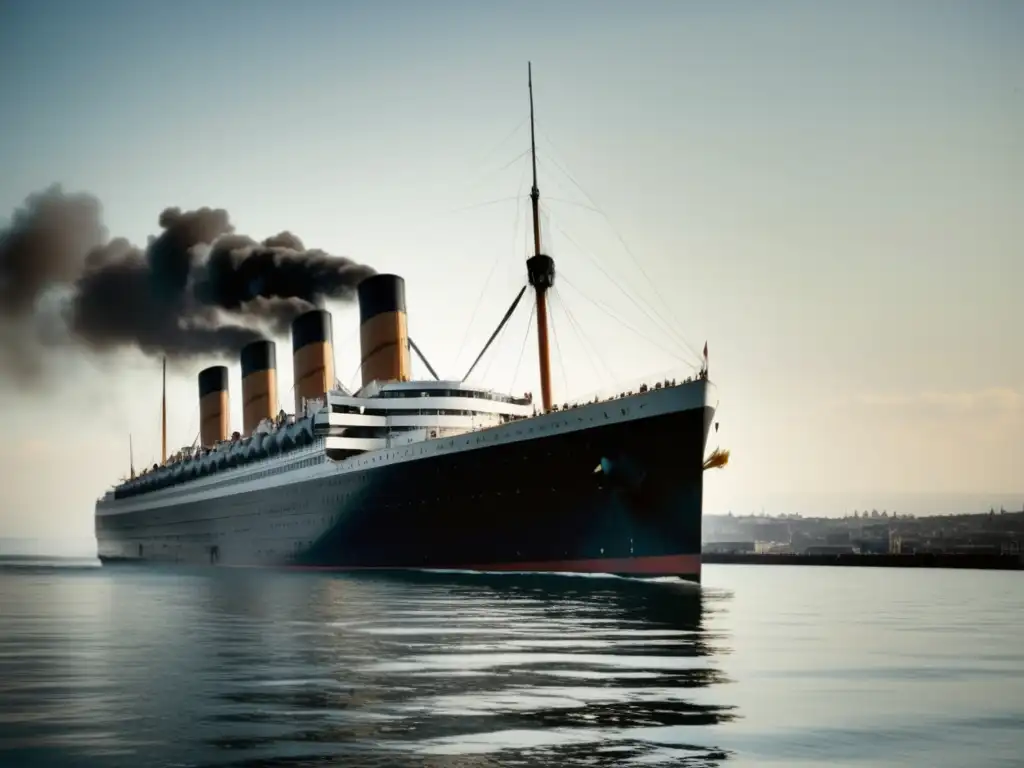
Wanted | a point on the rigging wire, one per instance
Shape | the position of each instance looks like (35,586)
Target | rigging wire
(489,175)
(549,198)
(501,325)
(589,348)
(623,323)
(658,320)
(597,208)
(485,158)
(503,142)
(353,385)
(622,240)
(526,337)
(482,205)
(611,279)
(492,358)
(617,283)
(519,199)
(494,264)
(423,358)
(195,420)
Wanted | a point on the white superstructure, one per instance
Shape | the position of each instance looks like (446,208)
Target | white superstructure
(403,413)
(380,416)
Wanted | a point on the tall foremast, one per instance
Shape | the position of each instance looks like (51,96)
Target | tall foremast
(163,419)
(540,268)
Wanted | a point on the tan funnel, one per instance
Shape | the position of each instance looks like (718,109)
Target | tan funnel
(214,412)
(312,356)
(383,329)
(259,384)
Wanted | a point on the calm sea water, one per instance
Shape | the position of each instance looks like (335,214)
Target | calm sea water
(766,666)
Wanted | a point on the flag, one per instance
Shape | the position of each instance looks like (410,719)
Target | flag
(705,350)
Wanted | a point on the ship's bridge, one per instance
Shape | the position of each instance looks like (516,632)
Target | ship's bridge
(404,412)
(432,388)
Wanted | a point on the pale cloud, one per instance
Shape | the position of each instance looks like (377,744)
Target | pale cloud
(992,399)
(35,447)
(39,448)
(27,448)
(956,440)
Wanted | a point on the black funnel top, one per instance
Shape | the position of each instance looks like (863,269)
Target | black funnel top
(379,294)
(212,380)
(258,356)
(311,328)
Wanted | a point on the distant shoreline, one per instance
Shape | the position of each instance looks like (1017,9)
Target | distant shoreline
(921,560)
(20,557)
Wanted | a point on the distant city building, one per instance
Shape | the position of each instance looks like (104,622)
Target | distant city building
(730,547)
(868,532)
(830,549)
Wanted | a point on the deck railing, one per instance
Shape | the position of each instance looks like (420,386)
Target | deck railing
(317,446)
(632,386)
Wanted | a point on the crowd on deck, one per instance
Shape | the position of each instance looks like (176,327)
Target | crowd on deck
(702,375)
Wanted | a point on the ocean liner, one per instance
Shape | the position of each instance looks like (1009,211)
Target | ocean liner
(422,474)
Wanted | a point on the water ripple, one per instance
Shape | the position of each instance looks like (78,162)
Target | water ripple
(224,668)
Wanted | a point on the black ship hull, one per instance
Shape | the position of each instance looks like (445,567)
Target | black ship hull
(621,497)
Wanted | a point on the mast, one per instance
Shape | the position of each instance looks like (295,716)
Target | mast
(131,457)
(534,191)
(541,268)
(163,420)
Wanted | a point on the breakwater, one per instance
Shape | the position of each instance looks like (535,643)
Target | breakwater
(917,560)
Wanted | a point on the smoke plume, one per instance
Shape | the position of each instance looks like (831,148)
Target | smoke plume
(197,289)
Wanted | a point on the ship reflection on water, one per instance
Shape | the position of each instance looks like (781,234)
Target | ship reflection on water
(468,669)
(258,668)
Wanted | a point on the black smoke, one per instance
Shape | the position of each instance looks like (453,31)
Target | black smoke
(198,289)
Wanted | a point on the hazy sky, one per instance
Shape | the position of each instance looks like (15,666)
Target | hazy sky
(830,194)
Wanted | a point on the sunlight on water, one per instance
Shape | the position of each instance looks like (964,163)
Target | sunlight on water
(763,666)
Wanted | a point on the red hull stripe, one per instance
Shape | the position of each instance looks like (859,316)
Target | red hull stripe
(653,565)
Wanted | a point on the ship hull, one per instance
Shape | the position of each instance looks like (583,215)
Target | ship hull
(622,496)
